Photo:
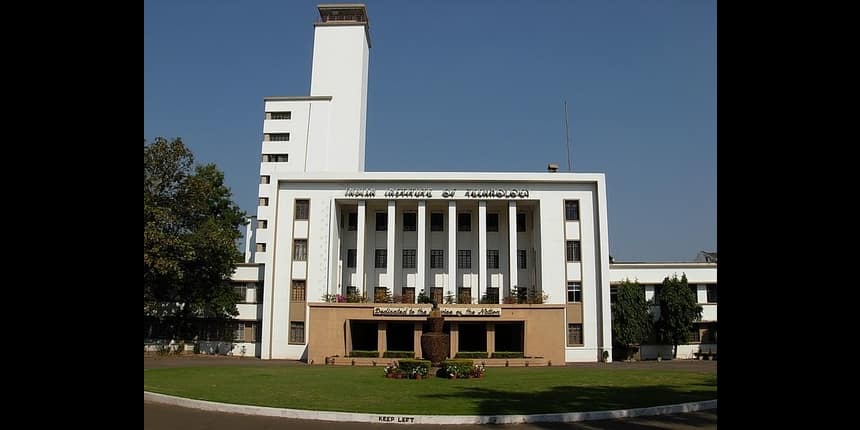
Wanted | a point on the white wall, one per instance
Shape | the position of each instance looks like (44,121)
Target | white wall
(654,273)
(340,63)
(649,352)
(248,273)
(249,311)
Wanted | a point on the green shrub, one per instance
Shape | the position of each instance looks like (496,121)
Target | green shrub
(459,367)
(507,354)
(360,353)
(398,354)
(472,354)
(411,366)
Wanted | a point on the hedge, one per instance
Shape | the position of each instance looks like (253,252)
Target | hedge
(471,354)
(507,354)
(398,354)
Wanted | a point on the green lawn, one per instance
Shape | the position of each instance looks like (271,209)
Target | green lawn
(502,391)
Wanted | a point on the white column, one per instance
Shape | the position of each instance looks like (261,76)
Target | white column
(391,253)
(482,248)
(421,255)
(250,239)
(359,246)
(513,264)
(452,248)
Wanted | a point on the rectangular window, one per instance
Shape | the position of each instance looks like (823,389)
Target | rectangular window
(351,290)
(409,221)
(709,334)
(521,259)
(521,222)
(522,294)
(694,336)
(297,332)
(409,258)
(464,221)
(695,290)
(350,258)
(571,210)
(464,258)
(265,179)
(613,294)
(297,292)
(464,295)
(241,293)
(276,158)
(574,334)
(302,209)
(277,137)
(261,247)
(492,222)
(437,258)
(248,331)
(574,292)
(712,293)
(352,221)
(380,295)
(381,221)
(492,259)
(657,290)
(300,250)
(381,259)
(408,294)
(262,224)
(279,115)
(436,294)
(492,295)
(574,251)
(264,201)
(239,332)
(437,221)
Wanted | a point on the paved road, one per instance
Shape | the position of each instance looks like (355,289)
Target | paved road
(162,417)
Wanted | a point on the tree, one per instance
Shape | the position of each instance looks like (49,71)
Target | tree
(678,311)
(631,319)
(190,227)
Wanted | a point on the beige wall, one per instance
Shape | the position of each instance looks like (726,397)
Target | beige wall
(574,313)
(544,325)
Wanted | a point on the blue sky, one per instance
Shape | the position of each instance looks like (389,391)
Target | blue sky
(471,85)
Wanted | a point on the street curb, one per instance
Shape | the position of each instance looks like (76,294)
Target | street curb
(426,419)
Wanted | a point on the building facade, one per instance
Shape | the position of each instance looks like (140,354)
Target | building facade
(339,260)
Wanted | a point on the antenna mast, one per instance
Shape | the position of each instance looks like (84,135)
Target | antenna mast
(567,138)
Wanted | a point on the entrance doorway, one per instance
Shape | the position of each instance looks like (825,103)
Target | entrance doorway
(400,336)
(473,337)
(364,335)
(509,337)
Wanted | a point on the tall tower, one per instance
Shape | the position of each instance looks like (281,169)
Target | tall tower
(324,132)
(340,63)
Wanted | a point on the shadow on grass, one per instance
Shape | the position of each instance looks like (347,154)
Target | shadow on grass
(561,399)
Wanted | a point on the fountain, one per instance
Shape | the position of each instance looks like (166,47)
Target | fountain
(435,345)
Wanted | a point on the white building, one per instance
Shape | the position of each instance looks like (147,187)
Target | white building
(518,261)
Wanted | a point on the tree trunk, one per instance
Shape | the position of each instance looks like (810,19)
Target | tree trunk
(675,351)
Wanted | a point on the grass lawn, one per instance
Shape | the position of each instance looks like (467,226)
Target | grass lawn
(501,391)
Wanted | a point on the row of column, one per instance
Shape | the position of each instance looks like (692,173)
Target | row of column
(452,245)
